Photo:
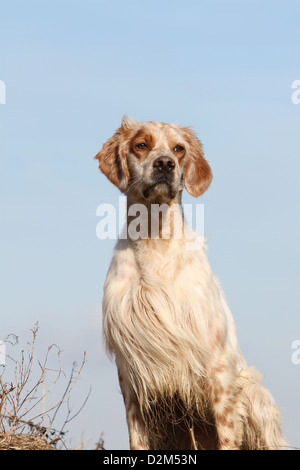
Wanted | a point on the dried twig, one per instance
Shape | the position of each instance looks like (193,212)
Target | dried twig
(20,400)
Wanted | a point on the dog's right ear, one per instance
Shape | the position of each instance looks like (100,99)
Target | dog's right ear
(112,157)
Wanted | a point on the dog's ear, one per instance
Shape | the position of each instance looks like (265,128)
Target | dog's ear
(112,157)
(198,174)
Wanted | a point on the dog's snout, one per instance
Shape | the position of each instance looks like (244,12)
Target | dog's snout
(164,164)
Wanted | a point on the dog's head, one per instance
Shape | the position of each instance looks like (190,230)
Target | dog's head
(151,160)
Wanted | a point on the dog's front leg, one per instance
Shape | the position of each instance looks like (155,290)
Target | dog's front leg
(225,398)
(138,435)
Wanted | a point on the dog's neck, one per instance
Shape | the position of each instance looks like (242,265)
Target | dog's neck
(155,223)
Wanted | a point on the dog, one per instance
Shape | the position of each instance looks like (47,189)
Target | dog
(184,380)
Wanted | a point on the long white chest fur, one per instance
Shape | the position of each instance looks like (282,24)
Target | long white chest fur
(165,318)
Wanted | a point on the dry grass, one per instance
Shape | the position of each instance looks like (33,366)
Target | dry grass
(25,421)
(24,442)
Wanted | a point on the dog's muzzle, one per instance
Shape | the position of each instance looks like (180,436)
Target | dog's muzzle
(162,174)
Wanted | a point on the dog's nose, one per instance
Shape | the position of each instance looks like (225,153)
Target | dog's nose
(164,164)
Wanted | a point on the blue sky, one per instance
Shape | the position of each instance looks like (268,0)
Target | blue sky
(71,70)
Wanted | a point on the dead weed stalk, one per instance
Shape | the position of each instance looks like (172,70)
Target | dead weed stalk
(23,412)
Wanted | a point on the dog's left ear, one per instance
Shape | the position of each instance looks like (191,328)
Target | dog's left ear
(198,174)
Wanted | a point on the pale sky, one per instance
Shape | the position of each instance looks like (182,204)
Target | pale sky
(72,69)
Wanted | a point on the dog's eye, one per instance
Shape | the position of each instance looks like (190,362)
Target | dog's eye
(141,146)
(178,148)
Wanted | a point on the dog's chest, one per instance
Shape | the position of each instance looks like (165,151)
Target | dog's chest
(159,317)
(164,293)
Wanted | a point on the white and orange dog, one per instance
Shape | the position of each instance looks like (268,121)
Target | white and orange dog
(183,378)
